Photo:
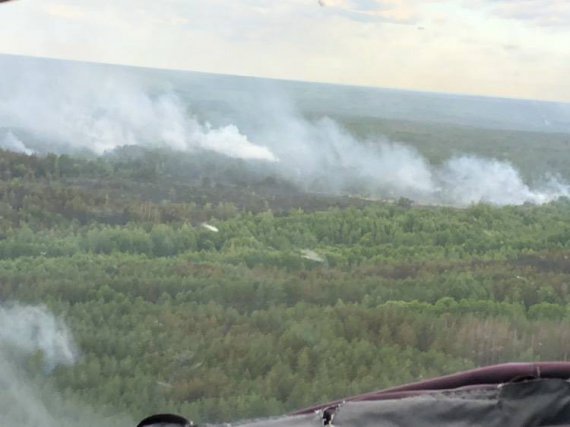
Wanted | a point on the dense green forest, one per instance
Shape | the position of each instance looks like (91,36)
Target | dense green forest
(295,299)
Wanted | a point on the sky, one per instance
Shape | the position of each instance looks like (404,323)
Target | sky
(508,48)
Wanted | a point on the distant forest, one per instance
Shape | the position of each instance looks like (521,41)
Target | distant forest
(296,298)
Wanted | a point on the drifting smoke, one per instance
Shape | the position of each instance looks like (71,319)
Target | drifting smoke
(11,143)
(94,109)
(384,169)
(26,331)
(466,180)
(322,156)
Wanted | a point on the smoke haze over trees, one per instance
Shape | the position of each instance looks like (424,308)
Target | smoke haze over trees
(68,107)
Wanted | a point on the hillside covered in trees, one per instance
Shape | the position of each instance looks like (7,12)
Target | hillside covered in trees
(285,300)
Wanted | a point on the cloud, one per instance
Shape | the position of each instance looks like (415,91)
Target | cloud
(65,11)
(365,42)
(544,13)
(393,11)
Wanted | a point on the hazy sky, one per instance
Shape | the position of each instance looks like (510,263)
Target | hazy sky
(515,48)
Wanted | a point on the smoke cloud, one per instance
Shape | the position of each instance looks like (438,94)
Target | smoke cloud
(77,109)
(322,156)
(27,331)
(466,180)
(65,107)
(11,143)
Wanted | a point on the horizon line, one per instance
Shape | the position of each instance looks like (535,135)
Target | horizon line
(290,80)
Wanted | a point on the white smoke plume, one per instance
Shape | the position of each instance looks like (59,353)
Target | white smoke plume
(26,331)
(322,155)
(98,109)
(466,180)
(12,143)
